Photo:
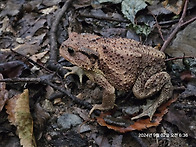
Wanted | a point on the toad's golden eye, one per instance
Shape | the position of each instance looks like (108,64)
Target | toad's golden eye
(70,50)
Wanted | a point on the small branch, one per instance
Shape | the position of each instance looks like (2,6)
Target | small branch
(46,80)
(21,80)
(53,39)
(158,27)
(177,28)
(30,60)
(175,58)
(188,21)
(103,18)
(74,99)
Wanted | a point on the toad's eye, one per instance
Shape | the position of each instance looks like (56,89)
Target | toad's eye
(70,50)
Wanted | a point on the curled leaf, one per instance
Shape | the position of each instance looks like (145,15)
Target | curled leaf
(139,124)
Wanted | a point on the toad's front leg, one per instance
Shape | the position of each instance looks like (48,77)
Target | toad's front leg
(148,85)
(108,99)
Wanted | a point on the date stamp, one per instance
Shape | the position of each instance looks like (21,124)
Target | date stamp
(165,135)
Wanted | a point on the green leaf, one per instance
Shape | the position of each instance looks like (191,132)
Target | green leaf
(131,7)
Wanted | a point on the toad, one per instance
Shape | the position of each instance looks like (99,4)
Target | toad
(122,64)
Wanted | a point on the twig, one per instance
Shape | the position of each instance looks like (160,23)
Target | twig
(21,80)
(46,80)
(103,17)
(177,28)
(166,43)
(158,27)
(30,60)
(74,99)
(175,58)
(53,39)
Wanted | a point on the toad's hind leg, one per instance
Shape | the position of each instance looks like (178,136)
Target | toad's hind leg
(108,99)
(147,86)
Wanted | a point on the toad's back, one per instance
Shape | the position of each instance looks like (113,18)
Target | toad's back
(121,60)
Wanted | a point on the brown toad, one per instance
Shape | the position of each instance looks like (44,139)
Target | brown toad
(119,63)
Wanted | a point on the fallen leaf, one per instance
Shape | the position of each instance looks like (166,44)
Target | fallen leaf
(30,26)
(12,69)
(11,104)
(131,7)
(101,140)
(179,118)
(49,10)
(6,27)
(189,91)
(19,115)
(38,56)
(138,124)
(3,93)
(12,8)
(184,43)
(175,7)
(117,140)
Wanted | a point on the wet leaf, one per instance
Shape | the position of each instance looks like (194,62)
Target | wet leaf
(12,69)
(139,124)
(158,9)
(11,104)
(30,26)
(12,8)
(3,93)
(101,140)
(180,119)
(189,91)
(19,115)
(131,7)
(183,44)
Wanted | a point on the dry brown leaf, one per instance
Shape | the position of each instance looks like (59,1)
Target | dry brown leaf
(39,56)
(27,49)
(19,115)
(11,104)
(175,7)
(3,93)
(139,124)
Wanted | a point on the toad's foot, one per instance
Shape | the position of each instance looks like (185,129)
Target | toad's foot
(75,70)
(148,109)
(100,107)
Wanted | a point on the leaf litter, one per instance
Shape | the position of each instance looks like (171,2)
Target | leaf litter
(25,26)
